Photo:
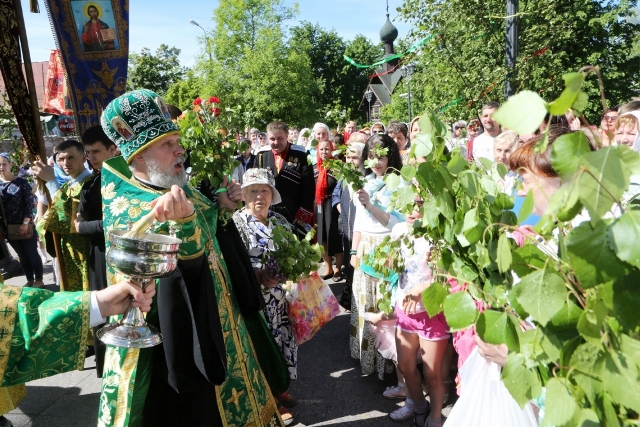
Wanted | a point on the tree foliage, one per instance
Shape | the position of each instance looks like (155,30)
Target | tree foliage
(338,85)
(466,58)
(155,72)
(183,92)
(253,70)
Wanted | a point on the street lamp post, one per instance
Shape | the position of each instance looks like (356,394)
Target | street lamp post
(368,95)
(206,39)
(407,71)
(511,47)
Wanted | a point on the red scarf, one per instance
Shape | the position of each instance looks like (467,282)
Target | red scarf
(322,184)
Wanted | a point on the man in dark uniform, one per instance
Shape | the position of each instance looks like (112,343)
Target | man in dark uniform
(89,221)
(294,176)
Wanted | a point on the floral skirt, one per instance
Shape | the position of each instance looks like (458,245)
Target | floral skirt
(365,294)
(280,328)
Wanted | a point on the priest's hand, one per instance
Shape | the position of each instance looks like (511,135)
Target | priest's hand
(115,299)
(43,171)
(172,205)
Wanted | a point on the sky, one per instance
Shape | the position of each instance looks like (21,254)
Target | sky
(154,22)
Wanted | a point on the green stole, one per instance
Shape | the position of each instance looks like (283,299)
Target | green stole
(74,247)
(42,333)
(244,399)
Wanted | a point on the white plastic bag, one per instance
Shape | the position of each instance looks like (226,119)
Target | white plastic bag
(485,401)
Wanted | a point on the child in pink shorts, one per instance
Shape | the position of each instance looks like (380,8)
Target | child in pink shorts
(416,331)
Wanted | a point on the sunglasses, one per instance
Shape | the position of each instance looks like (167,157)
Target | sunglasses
(377,131)
(609,118)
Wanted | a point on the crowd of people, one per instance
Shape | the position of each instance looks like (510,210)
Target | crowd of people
(223,360)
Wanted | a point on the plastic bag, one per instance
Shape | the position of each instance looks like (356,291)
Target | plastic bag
(311,306)
(485,401)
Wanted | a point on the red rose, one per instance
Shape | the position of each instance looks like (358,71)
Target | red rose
(214,100)
(215,111)
(197,101)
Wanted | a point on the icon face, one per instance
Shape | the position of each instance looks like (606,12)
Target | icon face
(163,107)
(121,127)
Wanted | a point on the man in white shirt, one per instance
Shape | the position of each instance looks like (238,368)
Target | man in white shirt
(483,144)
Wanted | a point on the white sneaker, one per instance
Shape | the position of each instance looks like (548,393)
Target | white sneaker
(403,413)
(395,392)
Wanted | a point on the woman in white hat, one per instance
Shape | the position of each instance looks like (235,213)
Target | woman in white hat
(255,222)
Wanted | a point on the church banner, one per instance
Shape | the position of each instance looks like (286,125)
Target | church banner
(14,78)
(93,38)
(56,90)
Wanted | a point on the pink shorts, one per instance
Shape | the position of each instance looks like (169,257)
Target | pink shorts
(427,328)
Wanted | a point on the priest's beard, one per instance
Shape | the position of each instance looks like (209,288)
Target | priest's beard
(163,178)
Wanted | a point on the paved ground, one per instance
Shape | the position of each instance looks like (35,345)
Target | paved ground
(329,389)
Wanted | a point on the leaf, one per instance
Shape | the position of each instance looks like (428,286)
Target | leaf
(491,326)
(566,151)
(620,378)
(584,361)
(567,317)
(460,311)
(433,298)
(565,203)
(457,163)
(572,82)
(527,207)
(626,300)
(422,145)
(522,113)
(606,182)
(392,180)
(444,204)
(504,253)
(590,255)
(408,172)
(526,259)
(522,382)
(512,297)
(405,196)
(581,103)
(624,237)
(469,181)
(472,227)
(543,294)
(560,405)
(590,323)
(587,418)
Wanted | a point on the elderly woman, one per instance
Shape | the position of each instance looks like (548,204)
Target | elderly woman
(255,222)
(372,224)
(503,146)
(302,139)
(328,230)
(17,201)
(320,132)
(627,130)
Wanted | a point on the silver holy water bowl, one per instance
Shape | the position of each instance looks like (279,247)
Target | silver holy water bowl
(144,258)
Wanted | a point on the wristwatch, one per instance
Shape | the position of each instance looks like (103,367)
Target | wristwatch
(26,222)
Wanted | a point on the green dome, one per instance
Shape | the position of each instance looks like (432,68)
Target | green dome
(388,33)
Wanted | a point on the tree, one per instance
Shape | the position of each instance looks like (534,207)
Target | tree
(155,72)
(464,61)
(182,93)
(339,84)
(253,71)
